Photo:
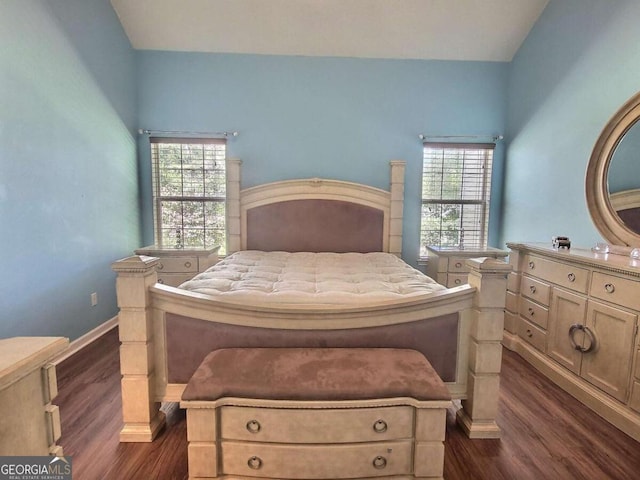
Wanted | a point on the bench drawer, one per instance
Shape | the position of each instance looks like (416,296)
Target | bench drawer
(380,459)
(316,425)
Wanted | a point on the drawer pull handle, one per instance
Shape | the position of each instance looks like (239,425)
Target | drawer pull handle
(532,265)
(160,266)
(380,426)
(253,426)
(593,341)
(529,333)
(379,462)
(609,287)
(571,277)
(458,264)
(531,312)
(255,463)
(457,281)
(161,281)
(187,264)
(532,288)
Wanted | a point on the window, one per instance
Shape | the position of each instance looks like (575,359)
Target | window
(456,186)
(189,192)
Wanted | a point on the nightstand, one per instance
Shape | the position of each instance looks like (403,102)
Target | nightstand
(177,265)
(446,265)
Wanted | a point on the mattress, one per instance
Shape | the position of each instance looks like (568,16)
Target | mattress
(312,278)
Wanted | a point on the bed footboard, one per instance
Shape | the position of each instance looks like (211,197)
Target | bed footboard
(147,311)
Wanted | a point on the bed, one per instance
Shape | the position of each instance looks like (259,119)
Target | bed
(165,332)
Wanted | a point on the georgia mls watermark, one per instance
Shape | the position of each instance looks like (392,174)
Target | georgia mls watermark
(35,468)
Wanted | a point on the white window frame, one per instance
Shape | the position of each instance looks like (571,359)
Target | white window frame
(203,232)
(471,165)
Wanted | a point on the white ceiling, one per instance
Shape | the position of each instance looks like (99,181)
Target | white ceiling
(485,30)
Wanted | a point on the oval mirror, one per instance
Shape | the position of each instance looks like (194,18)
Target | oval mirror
(613,177)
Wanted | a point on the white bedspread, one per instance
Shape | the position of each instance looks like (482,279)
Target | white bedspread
(312,278)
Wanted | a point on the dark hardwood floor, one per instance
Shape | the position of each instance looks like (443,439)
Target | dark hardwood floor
(546,434)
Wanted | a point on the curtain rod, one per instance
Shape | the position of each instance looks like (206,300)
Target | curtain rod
(494,138)
(142,131)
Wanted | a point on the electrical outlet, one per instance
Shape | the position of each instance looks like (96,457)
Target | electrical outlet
(94,299)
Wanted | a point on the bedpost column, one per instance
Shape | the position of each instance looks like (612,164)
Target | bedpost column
(233,205)
(478,414)
(140,412)
(397,207)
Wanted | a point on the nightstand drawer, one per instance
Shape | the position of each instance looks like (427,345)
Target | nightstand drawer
(315,426)
(457,279)
(457,265)
(178,265)
(355,460)
(174,279)
(616,290)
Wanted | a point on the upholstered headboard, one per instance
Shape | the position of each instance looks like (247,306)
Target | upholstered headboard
(317,215)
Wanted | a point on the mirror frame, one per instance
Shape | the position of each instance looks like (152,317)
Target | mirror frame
(602,213)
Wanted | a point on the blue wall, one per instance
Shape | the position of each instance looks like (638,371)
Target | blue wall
(338,118)
(579,64)
(68,174)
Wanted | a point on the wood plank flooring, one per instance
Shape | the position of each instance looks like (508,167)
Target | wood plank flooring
(546,433)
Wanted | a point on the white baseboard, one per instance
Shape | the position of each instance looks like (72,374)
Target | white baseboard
(86,339)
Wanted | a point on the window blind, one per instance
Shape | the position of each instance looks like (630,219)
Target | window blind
(189,191)
(456,189)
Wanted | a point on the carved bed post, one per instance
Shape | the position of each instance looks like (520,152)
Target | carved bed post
(397,207)
(478,414)
(140,412)
(233,205)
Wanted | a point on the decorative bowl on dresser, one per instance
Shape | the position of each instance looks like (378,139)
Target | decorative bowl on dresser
(573,314)
(177,265)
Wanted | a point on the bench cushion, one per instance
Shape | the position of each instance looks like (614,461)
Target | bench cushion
(315,374)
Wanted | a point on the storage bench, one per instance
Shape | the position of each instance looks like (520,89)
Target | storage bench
(319,413)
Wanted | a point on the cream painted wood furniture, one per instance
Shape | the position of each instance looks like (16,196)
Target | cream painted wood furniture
(573,314)
(30,424)
(448,267)
(152,315)
(177,265)
(316,435)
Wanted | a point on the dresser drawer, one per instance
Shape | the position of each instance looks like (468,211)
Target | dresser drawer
(534,313)
(621,291)
(535,289)
(568,276)
(532,334)
(362,460)
(316,426)
(174,279)
(511,302)
(178,264)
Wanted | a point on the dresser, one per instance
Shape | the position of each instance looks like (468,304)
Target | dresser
(177,265)
(30,423)
(447,265)
(573,314)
